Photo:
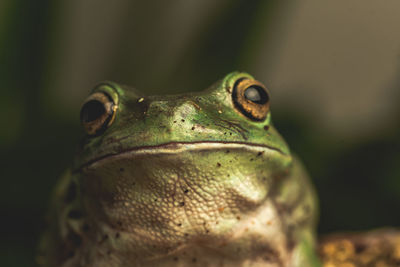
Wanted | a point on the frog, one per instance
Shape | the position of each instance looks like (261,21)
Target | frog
(193,179)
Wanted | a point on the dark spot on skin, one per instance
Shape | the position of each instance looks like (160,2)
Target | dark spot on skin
(71,193)
(194,260)
(225,133)
(260,153)
(179,224)
(182,120)
(117,235)
(227,151)
(121,169)
(193,128)
(181,204)
(218,164)
(217,222)
(207,231)
(174,121)
(155,200)
(185,191)
(266,127)
(230,133)
(251,159)
(186,234)
(238,218)
(75,214)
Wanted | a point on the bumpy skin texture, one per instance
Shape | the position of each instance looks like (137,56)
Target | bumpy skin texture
(183,180)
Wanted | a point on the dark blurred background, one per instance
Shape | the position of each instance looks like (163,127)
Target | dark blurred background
(333,69)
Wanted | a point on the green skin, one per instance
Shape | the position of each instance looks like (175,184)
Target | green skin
(182,180)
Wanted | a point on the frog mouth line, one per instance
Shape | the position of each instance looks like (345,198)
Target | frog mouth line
(176,147)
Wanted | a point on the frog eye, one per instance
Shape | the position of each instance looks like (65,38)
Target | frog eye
(97,113)
(251,98)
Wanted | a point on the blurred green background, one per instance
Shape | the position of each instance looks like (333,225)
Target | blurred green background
(333,70)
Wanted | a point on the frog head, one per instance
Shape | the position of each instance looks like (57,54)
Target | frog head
(233,110)
(164,173)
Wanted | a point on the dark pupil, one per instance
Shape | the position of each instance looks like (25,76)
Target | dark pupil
(256,94)
(92,110)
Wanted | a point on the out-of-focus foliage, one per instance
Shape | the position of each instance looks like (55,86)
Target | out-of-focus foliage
(159,47)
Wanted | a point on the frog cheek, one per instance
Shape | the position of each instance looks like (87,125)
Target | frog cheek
(251,99)
(97,113)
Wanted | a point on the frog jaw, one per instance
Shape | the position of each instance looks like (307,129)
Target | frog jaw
(176,147)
